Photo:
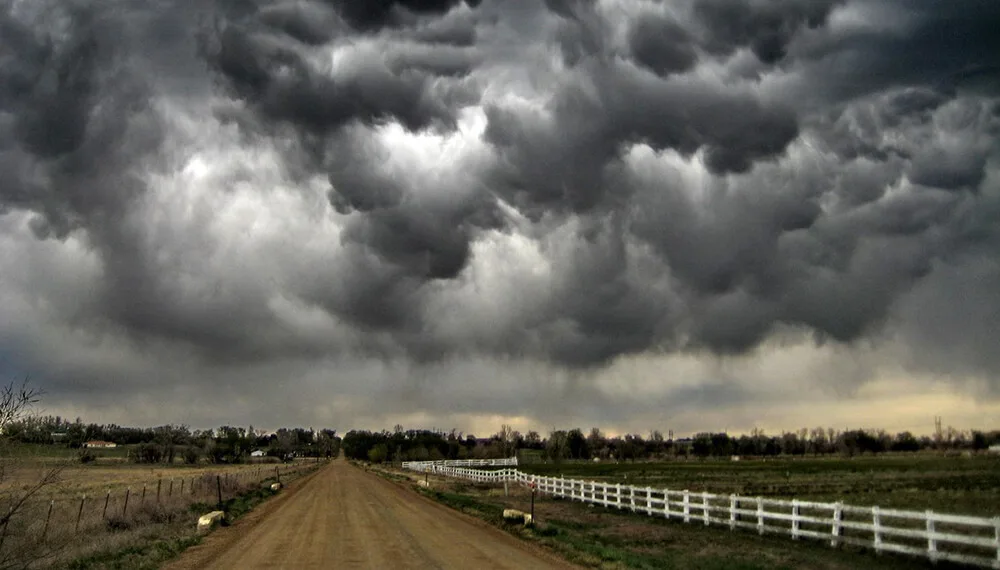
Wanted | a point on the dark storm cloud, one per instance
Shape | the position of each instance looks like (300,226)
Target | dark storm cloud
(283,86)
(375,14)
(700,205)
(765,26)
(662,45)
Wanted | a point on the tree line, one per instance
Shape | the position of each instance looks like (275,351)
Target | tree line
(421,445)
(167,443)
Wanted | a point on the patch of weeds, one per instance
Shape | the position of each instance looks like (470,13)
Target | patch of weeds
(242,504)
(467,504)
(138,557)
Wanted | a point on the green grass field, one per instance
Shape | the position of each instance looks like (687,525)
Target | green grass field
(960,485)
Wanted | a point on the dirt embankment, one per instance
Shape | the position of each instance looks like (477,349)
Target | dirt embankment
(342,517)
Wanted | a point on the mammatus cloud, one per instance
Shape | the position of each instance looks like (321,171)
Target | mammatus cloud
(564,185)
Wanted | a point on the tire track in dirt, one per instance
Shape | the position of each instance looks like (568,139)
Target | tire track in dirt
(343,517)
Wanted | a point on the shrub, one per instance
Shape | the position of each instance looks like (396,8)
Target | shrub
(191,455)
(87,456)
(148,453)
(379,453)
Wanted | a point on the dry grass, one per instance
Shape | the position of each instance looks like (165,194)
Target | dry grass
(99,508)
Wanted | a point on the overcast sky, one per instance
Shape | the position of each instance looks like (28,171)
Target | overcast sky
(683,215)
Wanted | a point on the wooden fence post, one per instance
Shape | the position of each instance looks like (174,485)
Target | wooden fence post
(170,489)
(877,529)
(107,499)
(996,538)
(760,515)
(45,529)
(931,539)
(795,519)
(218,484)
(79,513)
(159,485)
(128,491)
(6,521)
(836,529)
(142,501)
(182,486)
(732,512)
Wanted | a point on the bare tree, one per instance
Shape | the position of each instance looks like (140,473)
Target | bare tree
(507,440)
(16,401)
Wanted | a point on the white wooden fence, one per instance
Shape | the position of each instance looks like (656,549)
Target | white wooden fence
(418,465)
(937,536)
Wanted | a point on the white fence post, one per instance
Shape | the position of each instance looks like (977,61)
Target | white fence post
(666,505)
(996,540)
(631,498)
(931,538)
(618,495)
(836,529)
(732,512)
(760,515)
(877,529)
(704,506)
(687,506)
(795,519)
(649,500)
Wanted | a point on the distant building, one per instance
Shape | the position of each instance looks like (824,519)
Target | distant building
(995,448)
(257,453)
(58,437)
(100,444)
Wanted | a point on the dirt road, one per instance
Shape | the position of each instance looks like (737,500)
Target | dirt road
(343,517)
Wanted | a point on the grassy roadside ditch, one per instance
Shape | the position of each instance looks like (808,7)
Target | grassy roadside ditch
(595,537)
(149,546)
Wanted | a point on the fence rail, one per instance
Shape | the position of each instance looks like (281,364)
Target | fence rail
(936,536)
(419,465)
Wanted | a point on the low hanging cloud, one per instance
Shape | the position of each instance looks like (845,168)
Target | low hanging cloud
(452,185)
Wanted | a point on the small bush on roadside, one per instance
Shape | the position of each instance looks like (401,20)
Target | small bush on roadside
(117,523)
(87,456)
